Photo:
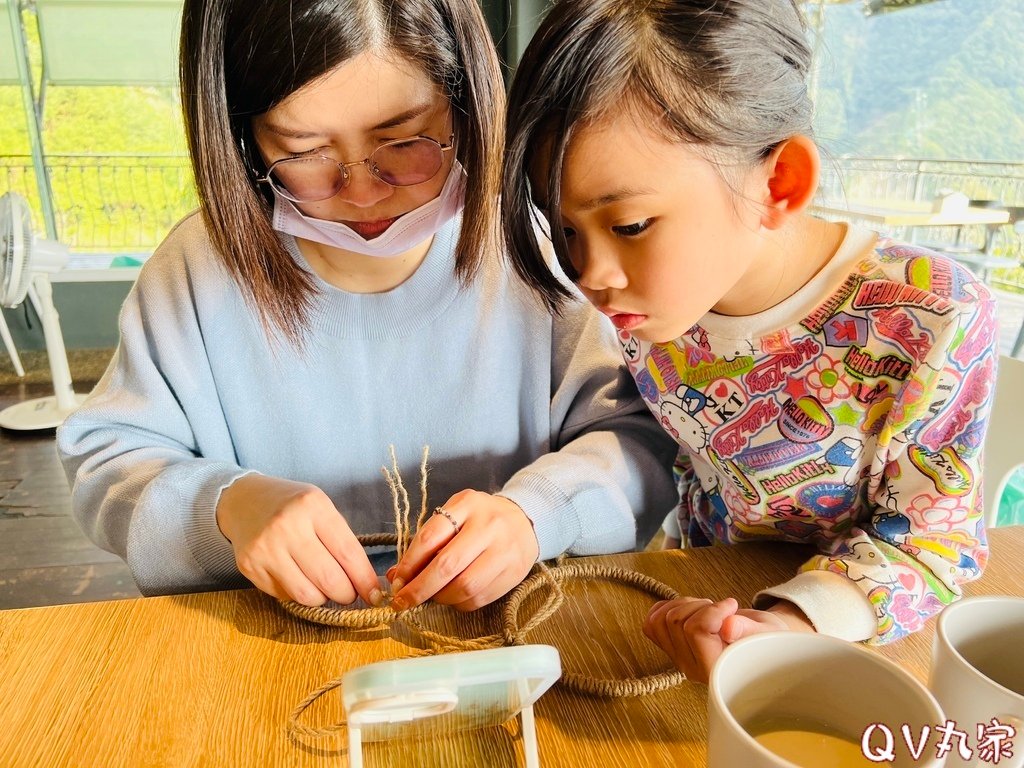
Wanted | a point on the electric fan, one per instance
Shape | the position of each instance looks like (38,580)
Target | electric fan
(25,262)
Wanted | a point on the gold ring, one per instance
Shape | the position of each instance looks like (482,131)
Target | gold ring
(447,514)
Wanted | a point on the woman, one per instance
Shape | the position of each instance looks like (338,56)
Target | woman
(341,290)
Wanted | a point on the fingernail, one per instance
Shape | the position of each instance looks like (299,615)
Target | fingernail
(396,585)
(376,598)
(399,604)
(391,572)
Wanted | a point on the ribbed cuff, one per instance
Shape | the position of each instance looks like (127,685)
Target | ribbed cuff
(208,545)
(834,604)
(552,513)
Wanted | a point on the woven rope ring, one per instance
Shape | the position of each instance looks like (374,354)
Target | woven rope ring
(512,633)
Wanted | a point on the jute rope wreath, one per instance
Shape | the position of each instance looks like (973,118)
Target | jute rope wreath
(512,632)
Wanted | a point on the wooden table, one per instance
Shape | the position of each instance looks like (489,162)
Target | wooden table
(210,679)
(907,213)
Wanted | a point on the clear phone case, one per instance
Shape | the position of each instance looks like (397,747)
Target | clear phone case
(430,695)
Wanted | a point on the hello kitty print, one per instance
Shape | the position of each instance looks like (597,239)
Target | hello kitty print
(858,429)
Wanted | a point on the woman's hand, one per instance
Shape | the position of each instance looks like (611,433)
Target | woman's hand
(694,631)
(291,542)
(491,551)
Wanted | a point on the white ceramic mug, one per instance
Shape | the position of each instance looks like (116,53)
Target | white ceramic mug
(977,673)
(810,682)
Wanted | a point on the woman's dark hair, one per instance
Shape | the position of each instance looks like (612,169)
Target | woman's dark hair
(239,59)
(726,75)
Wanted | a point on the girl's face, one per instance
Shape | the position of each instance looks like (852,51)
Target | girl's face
(345,115)
(656,235)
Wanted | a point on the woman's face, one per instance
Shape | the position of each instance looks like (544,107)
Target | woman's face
(370,99)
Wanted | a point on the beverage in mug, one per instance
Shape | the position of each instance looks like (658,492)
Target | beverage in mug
(977,675)
(993,656)
(785,699)
(807,742)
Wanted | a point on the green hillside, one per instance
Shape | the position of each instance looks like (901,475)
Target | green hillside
(119,190)
(944,80)
(941,81)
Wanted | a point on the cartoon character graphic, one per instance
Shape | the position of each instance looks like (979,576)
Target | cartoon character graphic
(845,454)
(737,348)
(865,563)
(700,338)
(892,526)
(679,418)
(706,475)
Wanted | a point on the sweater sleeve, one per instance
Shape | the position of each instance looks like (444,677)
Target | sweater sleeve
(607,482)
(143,484)
(923,535)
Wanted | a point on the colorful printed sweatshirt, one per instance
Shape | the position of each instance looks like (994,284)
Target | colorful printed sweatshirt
(854,423)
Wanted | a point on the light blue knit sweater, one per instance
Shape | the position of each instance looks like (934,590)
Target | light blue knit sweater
(508,398)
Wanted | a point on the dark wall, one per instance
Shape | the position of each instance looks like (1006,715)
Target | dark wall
(512,23)
(497,13)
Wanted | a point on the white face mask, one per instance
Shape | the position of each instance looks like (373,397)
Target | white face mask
(408,231)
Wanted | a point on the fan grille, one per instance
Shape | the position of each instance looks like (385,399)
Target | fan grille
(16,245)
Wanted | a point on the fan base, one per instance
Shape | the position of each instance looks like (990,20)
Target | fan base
(41,413)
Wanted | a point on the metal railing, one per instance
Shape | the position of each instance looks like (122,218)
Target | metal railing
(130,202)
(894,178)
(110,203)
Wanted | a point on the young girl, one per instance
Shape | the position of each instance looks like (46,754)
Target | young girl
(332,297)
(825,385)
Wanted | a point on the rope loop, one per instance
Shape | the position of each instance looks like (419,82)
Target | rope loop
(298,729)
(512,633)
(591,686)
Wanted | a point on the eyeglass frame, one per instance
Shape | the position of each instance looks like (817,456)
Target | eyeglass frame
(346,176)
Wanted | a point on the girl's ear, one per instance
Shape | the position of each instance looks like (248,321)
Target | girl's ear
(792,171)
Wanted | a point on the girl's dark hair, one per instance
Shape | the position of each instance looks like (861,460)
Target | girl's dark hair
(240,58)
(729,75)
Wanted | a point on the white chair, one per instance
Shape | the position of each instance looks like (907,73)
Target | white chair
(1004,445)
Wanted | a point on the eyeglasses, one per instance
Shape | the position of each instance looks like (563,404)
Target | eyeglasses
(399,163)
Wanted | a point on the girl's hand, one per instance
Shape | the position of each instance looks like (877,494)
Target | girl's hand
(492,550)
(291,542)
(694,631)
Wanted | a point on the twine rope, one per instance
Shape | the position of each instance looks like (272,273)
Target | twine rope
(511,632)
(592,686)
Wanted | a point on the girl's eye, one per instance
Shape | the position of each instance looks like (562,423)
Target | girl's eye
(568,232)
(632,230)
